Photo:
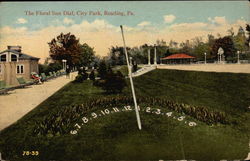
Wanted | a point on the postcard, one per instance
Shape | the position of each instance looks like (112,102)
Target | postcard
(124,80)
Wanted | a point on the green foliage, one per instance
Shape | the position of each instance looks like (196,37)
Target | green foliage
(240,42)
(92,75)
(226,43)
(65,46)
(87,55)
(82,75)
(102,69)
(43,68)
(117,55)
(113,82)
(79,78)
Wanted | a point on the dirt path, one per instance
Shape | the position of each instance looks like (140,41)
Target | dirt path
(20,101)
(232,68)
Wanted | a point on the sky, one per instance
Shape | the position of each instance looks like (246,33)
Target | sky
(33,24)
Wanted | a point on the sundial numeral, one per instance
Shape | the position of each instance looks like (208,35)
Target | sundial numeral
(181,118)
(148,109)
(103,112)
(73,132)
(128,108)
(78,126)
(158,111)
(106,111)
(85,120)
(116,109)
(169,114)
(94,115)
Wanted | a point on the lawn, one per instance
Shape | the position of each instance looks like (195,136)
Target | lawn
(105,133)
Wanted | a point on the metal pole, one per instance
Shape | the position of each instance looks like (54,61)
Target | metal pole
(205,58)
(238,52)
(131,82)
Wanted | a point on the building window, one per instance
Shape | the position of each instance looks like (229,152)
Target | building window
(13,57)
(3,58)
(20,69)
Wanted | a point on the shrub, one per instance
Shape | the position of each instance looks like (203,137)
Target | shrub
(79,78)
(43,68)
(102,69)
(114,82)
(92,75)
(82,75)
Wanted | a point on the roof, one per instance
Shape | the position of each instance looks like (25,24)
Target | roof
(179,56)
(21,55)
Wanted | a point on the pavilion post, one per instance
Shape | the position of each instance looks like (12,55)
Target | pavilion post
(149,63)
(155,62)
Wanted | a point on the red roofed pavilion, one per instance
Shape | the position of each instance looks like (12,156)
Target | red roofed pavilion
(178,59)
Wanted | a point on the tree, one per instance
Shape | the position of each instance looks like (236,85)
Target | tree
(117,55)
(248,32)
(102,69)
(200,49)
(65,46)
(226,43)
(87,55)
(240,40)
(231,32)
(185,47)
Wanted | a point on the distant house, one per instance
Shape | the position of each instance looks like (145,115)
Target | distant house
(14,63)
(178,59)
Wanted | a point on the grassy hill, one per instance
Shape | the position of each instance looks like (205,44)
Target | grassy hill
(111,135)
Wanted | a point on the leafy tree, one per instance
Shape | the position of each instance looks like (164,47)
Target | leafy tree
(199,51)
(248,33)
(226,43)
(102,69)
(87,55)
(65,46)
(117,55)
(185,47)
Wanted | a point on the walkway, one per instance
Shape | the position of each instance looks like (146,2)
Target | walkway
(19,102)
(232,68)
(145,69)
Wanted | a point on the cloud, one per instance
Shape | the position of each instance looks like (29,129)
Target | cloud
(68,21)
(21,21)
(188,26)
(9,30)
(144,23)
(218,20)
(169,18)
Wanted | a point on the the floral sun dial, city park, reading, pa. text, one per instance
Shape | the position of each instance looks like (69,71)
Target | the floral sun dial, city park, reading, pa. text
(124,80)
